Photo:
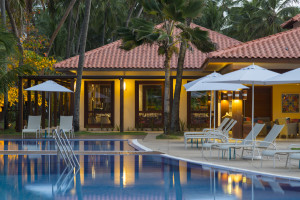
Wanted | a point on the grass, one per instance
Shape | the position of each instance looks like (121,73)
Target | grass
(13,132)
(10,131)
(109,133)
(295,148)
(164,136)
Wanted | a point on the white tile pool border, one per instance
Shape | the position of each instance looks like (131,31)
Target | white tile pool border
(135,142)
(227,168)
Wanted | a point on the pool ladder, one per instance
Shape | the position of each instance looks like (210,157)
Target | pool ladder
(65,149)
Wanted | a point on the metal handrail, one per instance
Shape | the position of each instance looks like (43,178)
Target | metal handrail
(69,147)
(65,149)
(60,148)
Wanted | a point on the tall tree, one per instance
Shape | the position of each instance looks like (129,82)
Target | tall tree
(5,106)
(62,21)
(173,14)
(81,62)
(189,38)
(259,18)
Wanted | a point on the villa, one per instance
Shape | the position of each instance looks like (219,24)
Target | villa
(120,85)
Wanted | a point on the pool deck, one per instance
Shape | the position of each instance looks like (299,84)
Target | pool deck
(175,147)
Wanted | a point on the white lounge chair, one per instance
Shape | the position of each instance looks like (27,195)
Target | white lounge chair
(223,135)
(267,143)
(204,131)
(236,143)
(66,124)
(277,152)
(33,126)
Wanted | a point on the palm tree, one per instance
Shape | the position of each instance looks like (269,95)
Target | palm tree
(62,21)
(173,14)
(80,63)
(258,18)
(202,42)
(212,16)
(4,68)
(8,48)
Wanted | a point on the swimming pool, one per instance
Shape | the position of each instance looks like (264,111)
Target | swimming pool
(118,176)
(77,145)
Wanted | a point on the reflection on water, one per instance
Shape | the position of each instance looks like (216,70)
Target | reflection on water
(132,177)
(77,145)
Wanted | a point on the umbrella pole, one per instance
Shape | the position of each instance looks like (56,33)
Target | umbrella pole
(214,110)
(49,114)
(210,109)
(252,119)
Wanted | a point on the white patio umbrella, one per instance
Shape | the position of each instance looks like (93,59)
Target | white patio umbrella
(49,86)
(202,85)
(292,76)
(252,74)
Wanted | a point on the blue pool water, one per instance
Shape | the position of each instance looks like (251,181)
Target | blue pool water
(77,145)
(133,177)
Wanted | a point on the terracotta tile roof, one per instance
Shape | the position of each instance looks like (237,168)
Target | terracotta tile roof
(281,45)
(290,22)
(111,56)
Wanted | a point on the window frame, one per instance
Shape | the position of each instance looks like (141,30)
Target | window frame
(137,112)
(86,111)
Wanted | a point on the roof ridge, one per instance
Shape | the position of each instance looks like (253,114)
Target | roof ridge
(216,32)
(91,51)
(292,19)
(145,57)
(214,53)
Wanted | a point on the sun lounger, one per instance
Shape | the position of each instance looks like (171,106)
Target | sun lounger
(206,130)
(277,152)
(267,143)
(220,128)
(66,124)
(34,126)
(237,143)
(212,135)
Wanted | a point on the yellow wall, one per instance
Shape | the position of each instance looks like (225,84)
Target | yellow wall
(278,90)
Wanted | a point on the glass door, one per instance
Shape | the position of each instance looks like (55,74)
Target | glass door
(99,104)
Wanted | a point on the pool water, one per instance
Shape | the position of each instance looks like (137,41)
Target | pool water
(133,177)
(77,145)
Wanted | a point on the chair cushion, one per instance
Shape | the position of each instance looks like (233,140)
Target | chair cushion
(295,156)
(29,130)
(268,153)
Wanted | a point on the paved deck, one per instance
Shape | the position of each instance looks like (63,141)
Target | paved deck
(176,148)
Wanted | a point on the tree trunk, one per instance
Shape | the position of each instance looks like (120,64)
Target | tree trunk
(81,62)
(5,106)
(14,30)
(104,26)
(60,25)
(131,9)
(68,48)
(79,39)
(140,12)
(167,93)
(74,31)
(175,126)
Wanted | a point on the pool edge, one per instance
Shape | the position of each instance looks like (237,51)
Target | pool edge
(228,168)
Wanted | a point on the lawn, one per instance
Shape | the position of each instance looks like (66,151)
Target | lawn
(110,133)
(13,132)
(164,136)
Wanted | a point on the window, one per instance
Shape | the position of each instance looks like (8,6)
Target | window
(149,104)
(99,104)
(198,109)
